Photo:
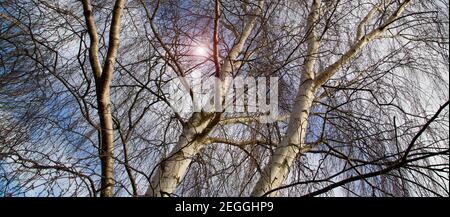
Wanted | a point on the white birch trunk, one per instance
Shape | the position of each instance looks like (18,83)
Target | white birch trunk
(277,168)
(171,170)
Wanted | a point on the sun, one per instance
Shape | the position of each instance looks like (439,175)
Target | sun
(201,50)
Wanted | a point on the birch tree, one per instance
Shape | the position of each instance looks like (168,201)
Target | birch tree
(103,76)
(87,110)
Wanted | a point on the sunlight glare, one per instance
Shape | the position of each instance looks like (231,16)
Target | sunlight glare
(201,50)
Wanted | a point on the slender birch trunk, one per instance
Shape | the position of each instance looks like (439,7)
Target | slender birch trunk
(103,77)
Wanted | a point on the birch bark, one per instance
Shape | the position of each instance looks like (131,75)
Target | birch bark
(103,77)
(277,169)
(171,170)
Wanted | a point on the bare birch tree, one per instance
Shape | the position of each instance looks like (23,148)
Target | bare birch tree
(86,107)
